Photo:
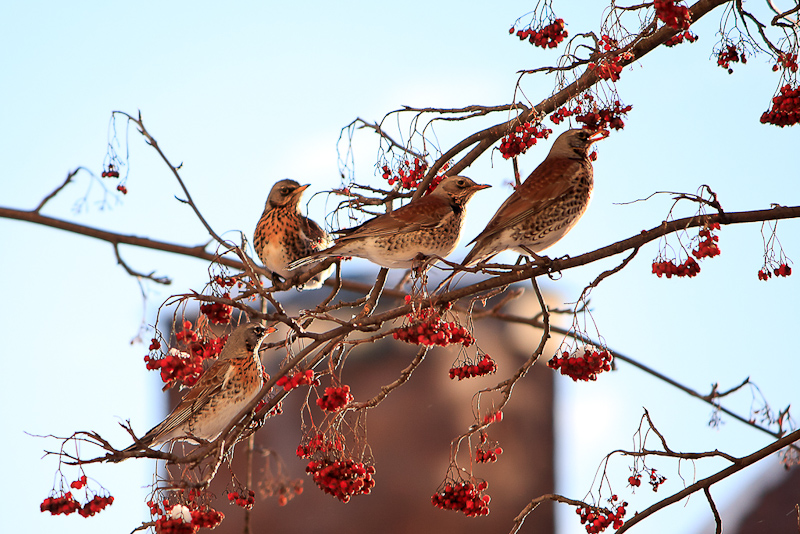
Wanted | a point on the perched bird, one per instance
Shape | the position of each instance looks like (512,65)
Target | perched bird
(283,235)
(429,225)
(219,395)
(546,205)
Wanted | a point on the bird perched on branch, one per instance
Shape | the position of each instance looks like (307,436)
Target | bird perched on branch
(218,396)
(428,226)
(284,235)
(546,205)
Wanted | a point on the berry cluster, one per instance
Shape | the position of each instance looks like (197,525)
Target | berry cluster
(318,443)
(707,248)
(297,379)
(672,14)
(786,60)
(522,138)
(548,37)
(605,118)
(782,270)
(656,480)
(785,108)
(429,330)
(177,366)
(464,497)
(226,282)
(585,367)
(635,480)
(97,504)
(182,519)
(240,499)
(207,518)
(342,478)
(408,174)
(78,484)
(110,172)
(486,455)
(678,38)
(609,68)
(597,521)
(494,417)
(334,398)
(217,312)
(286,493)
(689,268)
(122,189)
(66,503)
(731,54)
(484,367)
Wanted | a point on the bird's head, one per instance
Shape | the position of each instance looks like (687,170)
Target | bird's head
(285,193)
(459,188)
(575,143)
(244,340)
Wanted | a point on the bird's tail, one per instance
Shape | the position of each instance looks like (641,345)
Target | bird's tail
(308,260)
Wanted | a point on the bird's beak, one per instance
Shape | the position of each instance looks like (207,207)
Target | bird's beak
(299,190)
(268,330)
(599,135)
(478,187)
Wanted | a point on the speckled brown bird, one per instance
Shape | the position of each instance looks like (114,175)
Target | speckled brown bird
(546,205)
(284,235)
(428,226)
(219,395)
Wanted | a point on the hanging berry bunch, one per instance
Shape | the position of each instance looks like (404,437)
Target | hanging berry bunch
(673,15)
(487,451)
(777,264)
(596,520)
(678,38)
(335,398)
(468,369)
(730,54)
(523,137)
(584,367)
(464,496)
(785,110)
(426,327)
(549,36)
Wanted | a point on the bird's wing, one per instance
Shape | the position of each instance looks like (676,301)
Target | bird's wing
(427,212)
(537,193)
(315,233)
(210,382)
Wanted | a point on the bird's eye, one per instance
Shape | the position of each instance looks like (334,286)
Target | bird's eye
(284,191)
(259,330)
(460,183)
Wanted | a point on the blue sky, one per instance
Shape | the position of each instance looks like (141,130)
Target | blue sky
(252,93)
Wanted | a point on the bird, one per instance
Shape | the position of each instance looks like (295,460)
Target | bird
(546,205)
(219,395)
(427,226)
(284,235)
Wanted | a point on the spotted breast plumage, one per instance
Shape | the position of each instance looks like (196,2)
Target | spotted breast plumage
(428,226)
(546,205)
(222,391)
(284,235)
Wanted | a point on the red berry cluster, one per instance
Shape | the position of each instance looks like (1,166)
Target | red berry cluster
(64,504)
(786,60)
(177,366)
(548,37)
(286,493)
(609,68)
(110,172)
(225,282)
(342,478)
(522,138)
(486,455)
(78,484)
(731,54)
(585,367)
(464,497)
(297,379)
(97,504)
(240,499)
(635,480)
(689,268)
(610,117)
(672,14)
(785,108)
(217,312)
(494,417)
(184,519)
(207,518)
(597,521)
(318,443)
(122,189)
(782,270)
(408,174)
(484,367)
(656,480)
(429,330)
(707,248)
(680,37)
(334,398)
